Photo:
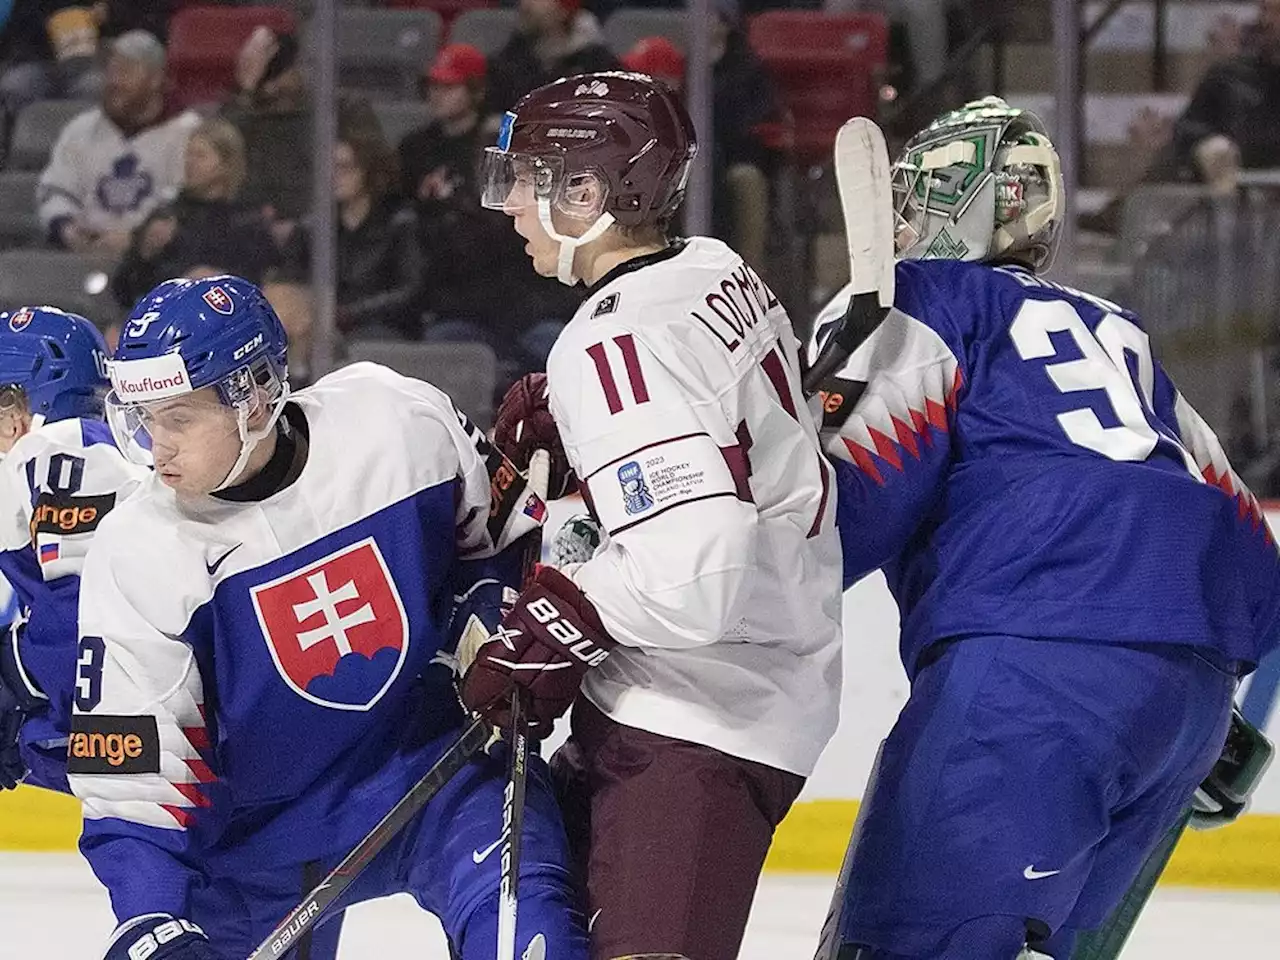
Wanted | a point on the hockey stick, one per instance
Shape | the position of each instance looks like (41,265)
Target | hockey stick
(473,740)
(306,914)
(1245,758)
(518,769)
(866,198)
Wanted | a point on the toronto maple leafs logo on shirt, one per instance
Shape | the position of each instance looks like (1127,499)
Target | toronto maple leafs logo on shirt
(125,188)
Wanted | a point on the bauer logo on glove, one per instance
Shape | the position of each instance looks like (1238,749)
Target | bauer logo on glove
(550,638)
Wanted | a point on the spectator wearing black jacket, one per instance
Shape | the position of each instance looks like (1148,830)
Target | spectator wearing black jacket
(1233,119)
(205,229)
(438,163)
(749,134)
(556,38)
(380,268)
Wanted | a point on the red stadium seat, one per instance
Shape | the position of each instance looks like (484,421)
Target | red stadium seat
(204,42)
(448,9)
(827,67)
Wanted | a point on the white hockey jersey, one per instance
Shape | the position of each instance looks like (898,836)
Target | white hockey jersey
(279,666)
(675,389)
(56,485)
(108,181)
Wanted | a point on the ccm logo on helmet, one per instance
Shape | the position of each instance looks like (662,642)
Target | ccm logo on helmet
(242,351)
(571,133)
(545,612)
(596,88)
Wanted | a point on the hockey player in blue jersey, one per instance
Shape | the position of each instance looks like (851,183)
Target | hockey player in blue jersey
(60,476)
(265,667)
(1081,576)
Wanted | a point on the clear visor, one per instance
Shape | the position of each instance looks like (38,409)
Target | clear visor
(513,182)
(138,428)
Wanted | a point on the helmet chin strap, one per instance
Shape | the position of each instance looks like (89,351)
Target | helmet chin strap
(569,245)
(249,439)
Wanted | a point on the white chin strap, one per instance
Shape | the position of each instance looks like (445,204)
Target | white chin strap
(249,439)
(569,245)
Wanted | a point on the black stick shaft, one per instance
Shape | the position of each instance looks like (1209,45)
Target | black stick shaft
(306,914)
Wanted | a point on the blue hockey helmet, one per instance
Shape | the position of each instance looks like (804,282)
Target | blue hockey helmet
(57,359)
(186,335)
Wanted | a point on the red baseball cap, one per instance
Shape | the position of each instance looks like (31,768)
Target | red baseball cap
(656,56)
(458,63)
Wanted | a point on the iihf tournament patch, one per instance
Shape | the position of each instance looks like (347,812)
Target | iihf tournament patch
(635,493)
(107,744)
(607,305)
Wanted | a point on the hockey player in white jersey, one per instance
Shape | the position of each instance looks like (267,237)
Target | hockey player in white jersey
(265,658)
(61,475)
(705,631)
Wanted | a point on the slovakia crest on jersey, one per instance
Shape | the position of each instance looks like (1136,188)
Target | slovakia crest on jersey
(337,628)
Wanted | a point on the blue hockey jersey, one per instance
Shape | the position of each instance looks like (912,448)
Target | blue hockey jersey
(260,681)
(56,485)
(1018,463)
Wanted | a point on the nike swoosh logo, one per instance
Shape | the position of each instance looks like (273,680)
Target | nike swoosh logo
(1031,873)
(213,567)
(479,856)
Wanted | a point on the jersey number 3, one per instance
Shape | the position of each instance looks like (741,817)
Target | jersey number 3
(1102,365)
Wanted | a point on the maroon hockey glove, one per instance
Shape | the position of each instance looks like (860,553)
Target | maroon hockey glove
(546,642)
(524,424)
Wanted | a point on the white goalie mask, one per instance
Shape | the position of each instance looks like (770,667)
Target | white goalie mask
(979,183)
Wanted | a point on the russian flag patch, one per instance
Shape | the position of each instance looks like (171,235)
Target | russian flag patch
(48,552)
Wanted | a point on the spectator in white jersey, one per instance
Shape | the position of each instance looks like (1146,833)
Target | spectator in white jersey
(113,165)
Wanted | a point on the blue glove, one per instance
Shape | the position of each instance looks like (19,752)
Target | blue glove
(158,936)
(18,700)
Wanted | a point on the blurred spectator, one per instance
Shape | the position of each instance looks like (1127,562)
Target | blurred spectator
(380,269)
(1233,119)
(51,47)
(659,58)
(556,38)
(750,126)
(438,163)
(205,228)
(477,285)
(272,111)
(113,165)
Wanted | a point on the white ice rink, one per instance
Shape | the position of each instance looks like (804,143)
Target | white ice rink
(51,908)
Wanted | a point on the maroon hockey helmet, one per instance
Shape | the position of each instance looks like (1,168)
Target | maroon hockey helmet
(625,133)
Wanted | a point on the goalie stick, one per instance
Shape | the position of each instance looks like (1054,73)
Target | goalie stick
(1245,758)
(866,198)
(475,738)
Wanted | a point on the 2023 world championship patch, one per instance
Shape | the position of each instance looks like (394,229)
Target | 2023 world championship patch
(112,744)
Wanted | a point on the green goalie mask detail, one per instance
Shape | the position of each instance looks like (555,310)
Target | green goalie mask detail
(979,183)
